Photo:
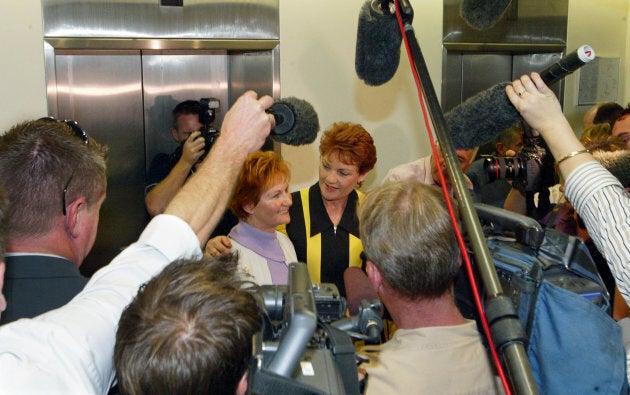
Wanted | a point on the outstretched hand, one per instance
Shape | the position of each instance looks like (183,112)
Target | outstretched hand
(536,103)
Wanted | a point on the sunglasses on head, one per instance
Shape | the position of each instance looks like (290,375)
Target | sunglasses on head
(80,133)
(83,136)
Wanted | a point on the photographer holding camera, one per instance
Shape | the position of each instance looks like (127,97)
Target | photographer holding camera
(168,173)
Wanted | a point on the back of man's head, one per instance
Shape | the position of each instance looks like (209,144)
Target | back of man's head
(44,163)
(188,331)
(407,234)
(186,107)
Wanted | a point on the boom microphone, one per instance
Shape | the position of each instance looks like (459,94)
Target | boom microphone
(483,14)
(358,288)
(378,43)
(616,162)
(484,116)
(296,121)
(568,64)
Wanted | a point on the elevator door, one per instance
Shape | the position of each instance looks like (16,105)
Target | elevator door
(468,73)
(124,99)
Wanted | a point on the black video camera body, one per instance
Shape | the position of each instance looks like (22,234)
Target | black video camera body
(302,354)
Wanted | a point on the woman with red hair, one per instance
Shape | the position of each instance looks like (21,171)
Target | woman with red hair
(261,202)
(324,227)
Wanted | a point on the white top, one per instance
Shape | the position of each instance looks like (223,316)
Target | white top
(254,266)
(70,350)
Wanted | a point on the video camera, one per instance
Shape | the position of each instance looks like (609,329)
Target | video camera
(525,255)
(300,350)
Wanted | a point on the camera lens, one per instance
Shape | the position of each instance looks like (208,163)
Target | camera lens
(499,168)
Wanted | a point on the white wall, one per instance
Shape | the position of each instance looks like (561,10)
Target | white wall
(22,86)
(602,24)
(317,64)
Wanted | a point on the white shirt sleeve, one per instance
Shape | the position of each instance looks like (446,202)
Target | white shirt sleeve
(70,350)
(604,205)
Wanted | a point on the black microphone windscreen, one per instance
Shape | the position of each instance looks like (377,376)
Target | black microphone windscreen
(297,122)
(358,288)
(481,118)
(617,162)
(378,45)
(483,14)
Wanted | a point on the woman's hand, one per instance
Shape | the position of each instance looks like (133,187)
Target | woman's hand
(218,245)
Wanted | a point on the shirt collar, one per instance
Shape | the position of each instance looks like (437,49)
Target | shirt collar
(320,221)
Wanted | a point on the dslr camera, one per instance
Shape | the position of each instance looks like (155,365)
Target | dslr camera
(207,113)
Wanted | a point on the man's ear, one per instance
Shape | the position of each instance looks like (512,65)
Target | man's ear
(75,211)
(500,147)
(174,134)
(374,275)
(241,388)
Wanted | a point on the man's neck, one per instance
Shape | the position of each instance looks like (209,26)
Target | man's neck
(411,314)
(46,244)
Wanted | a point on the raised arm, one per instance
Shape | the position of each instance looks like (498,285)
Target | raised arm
(598,197)
(244,130)
(541,109)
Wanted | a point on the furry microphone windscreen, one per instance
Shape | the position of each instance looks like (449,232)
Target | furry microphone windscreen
(297,122)
(483,14)
(378,45)
(481,118)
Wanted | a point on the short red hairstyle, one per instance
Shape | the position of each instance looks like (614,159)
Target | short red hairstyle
(352,143)
(260,170)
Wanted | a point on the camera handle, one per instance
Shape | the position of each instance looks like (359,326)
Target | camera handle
(366,325)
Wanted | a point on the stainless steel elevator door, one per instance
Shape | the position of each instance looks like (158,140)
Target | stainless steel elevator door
(124,99)
(468,73)
(170,77)
(102,90)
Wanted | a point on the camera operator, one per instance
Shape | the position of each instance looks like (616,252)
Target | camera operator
(412,261)
(188,331)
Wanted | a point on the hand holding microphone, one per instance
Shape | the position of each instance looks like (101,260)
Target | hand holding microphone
(296,121)
(485,115)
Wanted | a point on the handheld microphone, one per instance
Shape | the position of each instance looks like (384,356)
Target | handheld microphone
(484,116)
(483,14)
(378,43)
(366,310)
(358,288)
(297,122)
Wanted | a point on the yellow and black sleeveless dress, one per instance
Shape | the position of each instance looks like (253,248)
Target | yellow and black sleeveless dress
(327,251)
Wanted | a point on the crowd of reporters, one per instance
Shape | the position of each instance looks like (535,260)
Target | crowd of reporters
(161,318)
